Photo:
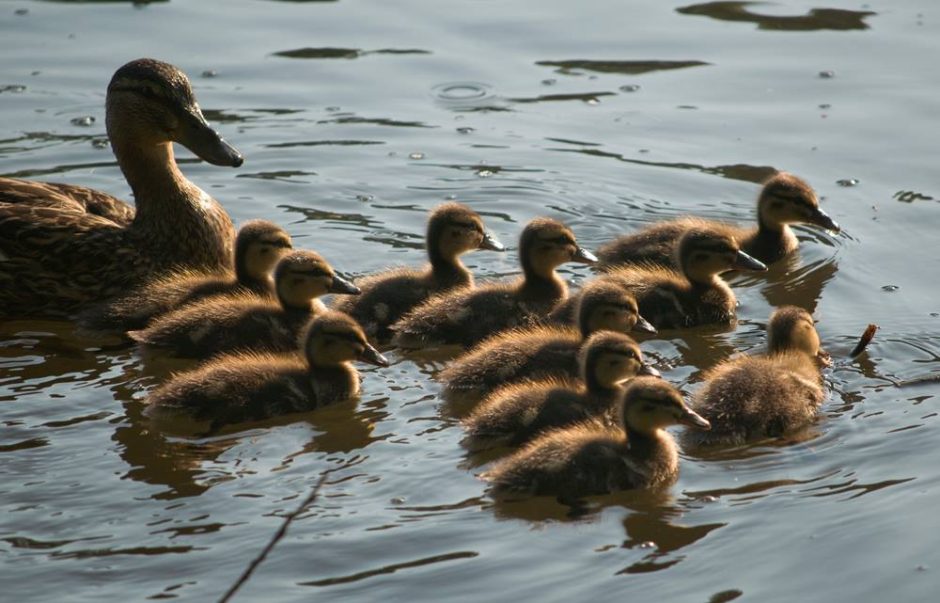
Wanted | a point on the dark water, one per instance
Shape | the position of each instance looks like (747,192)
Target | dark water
(355,118)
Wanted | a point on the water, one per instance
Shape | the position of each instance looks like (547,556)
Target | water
(355,118)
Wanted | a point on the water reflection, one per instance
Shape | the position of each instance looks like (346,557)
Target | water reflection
(572,67)
(655,528)
(815,20)
(342,53)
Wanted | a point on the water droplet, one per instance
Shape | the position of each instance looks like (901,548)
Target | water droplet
(210,73)
(450,197)
(649,544)
(890,288)
(14,88)
(84,121)
(848,182)
(825,106)
(416,156)
(593,101)
(365,198)
(485,173)
(461,91)
(465,130)
(827,74)
(549,82)
(630,88)
(398,500)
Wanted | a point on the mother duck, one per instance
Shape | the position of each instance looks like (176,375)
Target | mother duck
(62,246)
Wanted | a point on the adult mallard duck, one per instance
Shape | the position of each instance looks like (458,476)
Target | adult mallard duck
(785,199)
(592,459)
(453,229)
(63,246)
(466,316)
(258,247)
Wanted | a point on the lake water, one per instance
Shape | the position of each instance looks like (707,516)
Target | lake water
(355,117)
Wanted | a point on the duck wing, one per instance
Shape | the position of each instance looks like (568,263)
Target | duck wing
(65,197)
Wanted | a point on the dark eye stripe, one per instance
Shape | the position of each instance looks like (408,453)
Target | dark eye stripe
(351,337)
(312,272)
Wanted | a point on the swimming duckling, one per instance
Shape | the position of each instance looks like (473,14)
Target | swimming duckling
(785,199)
(765,396)
(695,294)
(517,412)
(544,350)
(466,316)
(453,229)
(63,246)
(590,459)
(258,247)
(252,386)
(225,323)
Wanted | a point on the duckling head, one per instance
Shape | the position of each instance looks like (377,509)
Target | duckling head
(454,229)
(793,329)
(788,199)
(608,359)
(546,243)
(650,404)
(151,103)
(704,253)
(605,305)
(302,276)
(258,247)
(334,338)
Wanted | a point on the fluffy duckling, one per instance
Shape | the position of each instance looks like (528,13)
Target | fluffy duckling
(544,350)
(222,324)
(516,413)
(63,246)
(466,316)
(591,459)
(252,386)
(785,199)
(453,229)
(756,397)
(695,294)
(258,247)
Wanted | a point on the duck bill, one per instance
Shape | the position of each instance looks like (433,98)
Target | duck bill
(823,358)
(197,135)
(693,419)
(649,371)
(341,285)
(745,262)
(490,243)
(643,326)
(822,219)
(583,256)
(372,356)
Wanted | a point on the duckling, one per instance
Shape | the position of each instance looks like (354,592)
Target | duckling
(236,322)
(252,386)
(695,294)
(453,229)
(466,316)
(785,199)
(591,459)
(516,413)
(63,246)
(544,350)
(755,397)
(258,247)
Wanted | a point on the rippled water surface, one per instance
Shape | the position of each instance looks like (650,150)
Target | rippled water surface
(356,117)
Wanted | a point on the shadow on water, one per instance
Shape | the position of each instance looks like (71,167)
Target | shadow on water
(817,19)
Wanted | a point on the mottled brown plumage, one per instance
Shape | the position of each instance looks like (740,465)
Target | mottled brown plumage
(543,350)
(252,386)
(756,397)
(64,246)
(453,229)
(223,324)
(258,247)
(516,413)
(466,316)
(785,199)
(591,459)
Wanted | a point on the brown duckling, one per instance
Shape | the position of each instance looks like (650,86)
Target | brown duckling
(544,350)
(591,459)
(695,294)
(240,322)
(466,316)
(252,386)
(453,229)
(754,397)
(63,246)
(258,247)
(517,412)
(785,199)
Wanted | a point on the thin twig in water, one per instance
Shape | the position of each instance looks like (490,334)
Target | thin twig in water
(864,340)
(277,537)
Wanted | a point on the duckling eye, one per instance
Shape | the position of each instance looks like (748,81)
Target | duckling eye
(776,204)
(648,408)
(699,256)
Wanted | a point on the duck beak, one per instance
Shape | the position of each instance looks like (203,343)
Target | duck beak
(197,135)
(822,219)
(693,419)
(490,243)
(745,262)
(823,358)
(583,256)
(341,285)
(643,326)
(649,371)
(372,356)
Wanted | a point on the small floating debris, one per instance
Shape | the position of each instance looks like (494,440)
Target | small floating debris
(84,121)
(825,106)
(827,74)
(865,339)
(14,88)
(365,198)
(416,156)
(100,143)
(549,82)
(465,130)
(21,11)
(485,173)
(210,73)
(630,88)
(848,182)
(890,288)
